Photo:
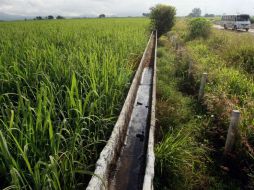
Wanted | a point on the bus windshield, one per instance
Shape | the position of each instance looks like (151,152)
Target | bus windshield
(243,18)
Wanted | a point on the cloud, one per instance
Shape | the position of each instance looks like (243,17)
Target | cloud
(119,7)
(74,7)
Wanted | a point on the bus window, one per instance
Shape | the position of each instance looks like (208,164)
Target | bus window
(243,18)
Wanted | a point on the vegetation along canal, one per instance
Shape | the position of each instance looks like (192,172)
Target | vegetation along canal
(127,169)
(130,166)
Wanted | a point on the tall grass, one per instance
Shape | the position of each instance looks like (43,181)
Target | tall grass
(235,48)
(62,84)
(228,59)
(180,154)
(229,87)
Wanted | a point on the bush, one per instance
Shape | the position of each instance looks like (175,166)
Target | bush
(252,20)
(50,17)
(199,27)
(162,18)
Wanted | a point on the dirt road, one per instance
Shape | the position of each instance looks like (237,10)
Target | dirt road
(221,28)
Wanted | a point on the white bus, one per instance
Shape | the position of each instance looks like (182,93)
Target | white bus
(236,21)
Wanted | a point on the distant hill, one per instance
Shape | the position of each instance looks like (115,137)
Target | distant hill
(7,17)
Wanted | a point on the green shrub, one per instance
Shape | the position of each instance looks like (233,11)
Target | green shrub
(199,27)
(252,20)
(162,18)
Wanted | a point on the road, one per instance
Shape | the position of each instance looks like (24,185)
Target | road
(222,28)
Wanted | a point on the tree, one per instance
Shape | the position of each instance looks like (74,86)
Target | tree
(60,17)
(50,17)
(146,14)
(196,12)
(199,27)
(162,18)
(252,20)
(38,18)
(209,15)
(102,16)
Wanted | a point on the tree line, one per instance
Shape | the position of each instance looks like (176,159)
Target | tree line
(196,12)
(49,17)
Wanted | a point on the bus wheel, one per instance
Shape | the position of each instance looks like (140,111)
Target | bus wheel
(247,29)
(235,28)
(225,26)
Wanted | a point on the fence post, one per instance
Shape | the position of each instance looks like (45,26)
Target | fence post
(232,131)
(202,86)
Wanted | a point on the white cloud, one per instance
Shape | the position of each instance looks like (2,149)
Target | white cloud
(120,7)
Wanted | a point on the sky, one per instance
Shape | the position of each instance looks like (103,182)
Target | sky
(120,7)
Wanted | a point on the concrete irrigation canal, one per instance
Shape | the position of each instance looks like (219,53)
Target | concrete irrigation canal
(127,160)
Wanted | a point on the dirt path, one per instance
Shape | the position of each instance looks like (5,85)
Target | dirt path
(243,31)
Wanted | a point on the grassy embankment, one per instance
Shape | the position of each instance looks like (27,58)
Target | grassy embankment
(228,58)
(62,85)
